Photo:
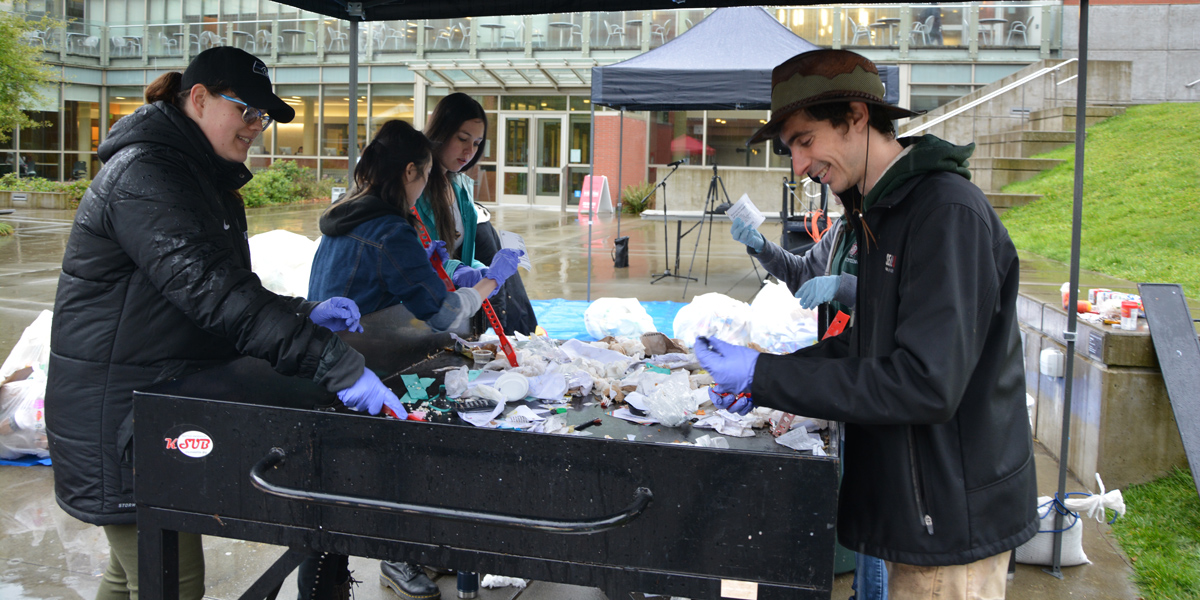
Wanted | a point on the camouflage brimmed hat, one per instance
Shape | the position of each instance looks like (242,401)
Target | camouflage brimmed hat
(821,77)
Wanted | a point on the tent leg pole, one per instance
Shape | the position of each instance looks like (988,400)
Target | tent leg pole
(352,150)
(1072,316)
(591,184)
(620,166)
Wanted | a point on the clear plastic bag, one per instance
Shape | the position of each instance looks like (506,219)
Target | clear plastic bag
(715,315)
(620,317)
(670,403)
(778,323)
(23,419)
(283,260)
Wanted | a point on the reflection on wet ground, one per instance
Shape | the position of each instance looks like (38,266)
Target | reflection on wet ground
(51,555)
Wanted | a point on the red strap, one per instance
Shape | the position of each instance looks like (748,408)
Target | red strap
(488,311)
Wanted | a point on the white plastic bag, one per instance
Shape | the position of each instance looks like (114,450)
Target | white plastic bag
(670,403)
(283,261)
(618,317)
(715,315)
(1095,504)
(32,349)
(23,419)
(1040,549)
(778,323)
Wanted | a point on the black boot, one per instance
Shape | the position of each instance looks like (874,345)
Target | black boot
(324,576)
(408,580)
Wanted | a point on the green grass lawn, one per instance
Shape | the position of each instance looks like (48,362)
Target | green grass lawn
(1160,532)
(1141,210)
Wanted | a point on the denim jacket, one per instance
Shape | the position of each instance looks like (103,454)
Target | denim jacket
(370,254)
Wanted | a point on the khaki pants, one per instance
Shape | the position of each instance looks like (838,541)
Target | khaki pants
(981,580)
(120,581)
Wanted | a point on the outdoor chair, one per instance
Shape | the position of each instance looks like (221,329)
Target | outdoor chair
(91,44)
(616,30)
(921,29)
(858,31)
(117,45)
(168,44)
(336,37)
(660,31)
(35,37)
(209,39)
(445,33)
(1019,28)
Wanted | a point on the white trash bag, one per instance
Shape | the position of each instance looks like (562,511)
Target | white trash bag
(618,317)
(283,261)
(714,315)
(778,322)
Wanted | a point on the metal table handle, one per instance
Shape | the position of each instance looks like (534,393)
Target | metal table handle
(277,456)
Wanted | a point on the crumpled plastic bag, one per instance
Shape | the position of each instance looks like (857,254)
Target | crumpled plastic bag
(1095,504)
(496,581)
(670,403)
(283,260)
(457,381)
(714,315)
(32,349)
(617,317)
(778,323)
(23,419)
(800,439)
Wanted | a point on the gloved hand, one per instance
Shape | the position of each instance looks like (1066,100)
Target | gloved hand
(369,394)
(504,265)
(438,246)
(731,367)
(818,290)
(337,314)
(744,233)
(465,277)
(734,403)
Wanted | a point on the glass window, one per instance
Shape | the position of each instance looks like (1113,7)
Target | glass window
(728,131)
(929,97)
(123,100)
(580,140)
(300,136)
(81,126)
(953,27)
(390,102)
(989,73)
(42,165)
(489,140)
(335,128)
(941,73)
(580,103)
(677,135)
(81,166)
(534,102)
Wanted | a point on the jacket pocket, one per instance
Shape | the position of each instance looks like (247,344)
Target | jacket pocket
(125,452)
(918,483)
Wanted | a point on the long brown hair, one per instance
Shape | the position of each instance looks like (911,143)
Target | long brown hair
(380,171)
(167,88)
(447,118)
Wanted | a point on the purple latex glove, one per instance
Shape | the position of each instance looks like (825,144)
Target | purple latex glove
(731,402)
(504,265)
(438,246)
(465,277)
(368,394)
(337,314)
(731,367)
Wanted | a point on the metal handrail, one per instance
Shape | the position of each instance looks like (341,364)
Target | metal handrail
(1193,83)
(1018,83)
(277,457)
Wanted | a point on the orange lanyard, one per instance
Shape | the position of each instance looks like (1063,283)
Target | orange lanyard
(487,304)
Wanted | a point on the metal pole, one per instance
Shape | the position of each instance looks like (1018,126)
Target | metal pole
(352,154)
(591,187)
(620,165)
(1073,297)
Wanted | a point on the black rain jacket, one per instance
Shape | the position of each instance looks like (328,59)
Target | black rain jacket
(156,282)
(929,379)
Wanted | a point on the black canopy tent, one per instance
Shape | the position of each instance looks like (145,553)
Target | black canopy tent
(377,10)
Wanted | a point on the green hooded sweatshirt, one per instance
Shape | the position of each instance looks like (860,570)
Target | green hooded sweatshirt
(928,154)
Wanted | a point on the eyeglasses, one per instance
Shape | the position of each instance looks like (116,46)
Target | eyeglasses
(251,114)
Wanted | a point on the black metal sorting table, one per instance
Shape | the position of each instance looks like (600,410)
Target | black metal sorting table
(614,514)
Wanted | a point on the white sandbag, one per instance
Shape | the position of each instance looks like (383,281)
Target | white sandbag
(714,315)
(283,261)
(618,317)
(778,322)
(1040,549)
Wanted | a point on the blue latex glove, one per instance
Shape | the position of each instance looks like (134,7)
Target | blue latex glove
(337,314)
(465,277)
(438,246)
(744,233)
(504,265)
(731,367)
(818,290)
(368,394)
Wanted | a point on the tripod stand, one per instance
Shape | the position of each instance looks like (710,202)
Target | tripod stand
(678,233)
(711,209)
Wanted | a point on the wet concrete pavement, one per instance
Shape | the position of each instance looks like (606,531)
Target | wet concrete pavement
(48,554)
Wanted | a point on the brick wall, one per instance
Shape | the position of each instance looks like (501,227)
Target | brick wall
(608,150)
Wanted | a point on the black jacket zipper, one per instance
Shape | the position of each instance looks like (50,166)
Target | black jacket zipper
(926,520)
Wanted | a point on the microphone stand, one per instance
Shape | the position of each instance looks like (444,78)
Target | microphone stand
(678,232)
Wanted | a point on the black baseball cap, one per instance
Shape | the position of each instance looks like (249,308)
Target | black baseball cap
(244,73)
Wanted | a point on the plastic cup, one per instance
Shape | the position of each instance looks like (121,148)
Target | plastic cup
(482,357)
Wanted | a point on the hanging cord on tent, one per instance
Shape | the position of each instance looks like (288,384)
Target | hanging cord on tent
(487,304)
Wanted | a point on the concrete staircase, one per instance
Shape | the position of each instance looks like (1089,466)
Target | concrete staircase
(1004,158)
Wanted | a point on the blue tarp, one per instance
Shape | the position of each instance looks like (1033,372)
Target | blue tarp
(563,319)
(26,461)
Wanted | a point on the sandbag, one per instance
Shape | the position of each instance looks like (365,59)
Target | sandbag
(1040,549)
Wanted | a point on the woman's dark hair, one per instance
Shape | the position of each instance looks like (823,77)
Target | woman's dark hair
(380,171)
(838,114)
(166,88)
(447,118)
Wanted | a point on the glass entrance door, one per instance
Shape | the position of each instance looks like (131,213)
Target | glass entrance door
(533,162)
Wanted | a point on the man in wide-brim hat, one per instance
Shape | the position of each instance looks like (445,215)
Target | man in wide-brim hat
(928,377)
